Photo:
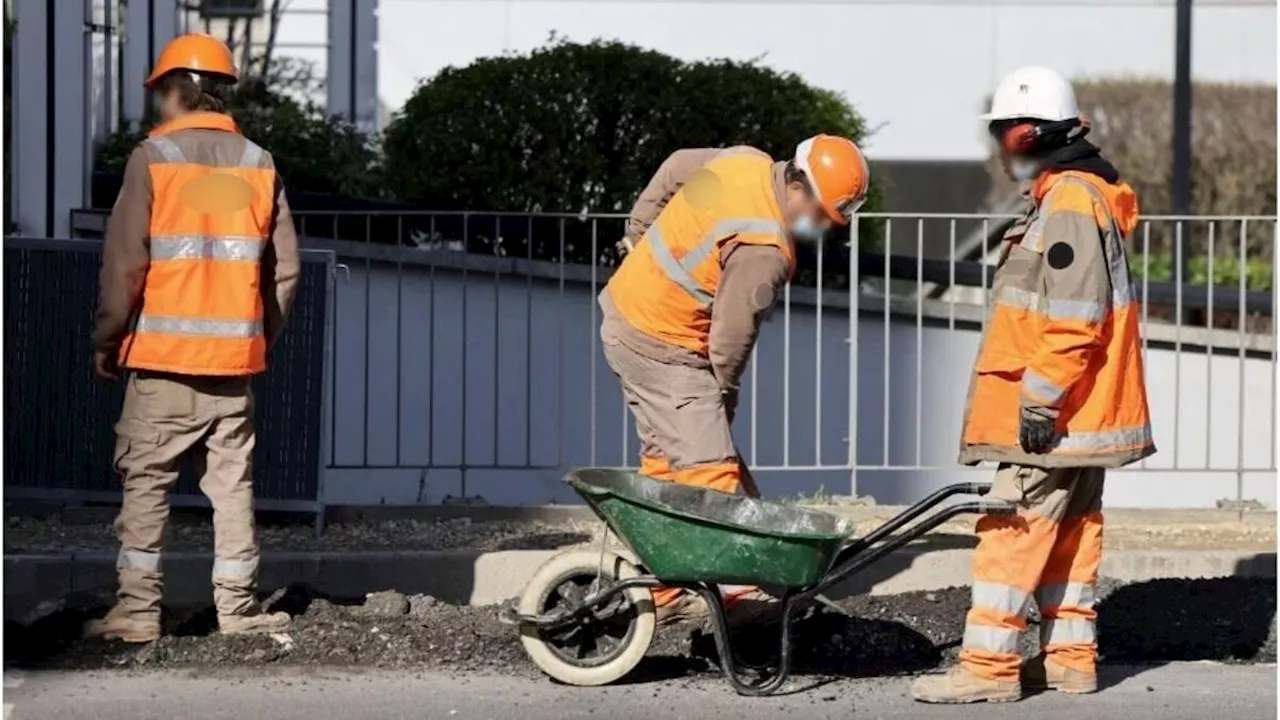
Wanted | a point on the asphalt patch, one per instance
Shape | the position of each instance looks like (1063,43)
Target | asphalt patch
(1231,619)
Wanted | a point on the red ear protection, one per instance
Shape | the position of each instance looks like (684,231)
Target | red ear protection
(1024,137)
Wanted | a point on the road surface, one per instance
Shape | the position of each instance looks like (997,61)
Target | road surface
(1170,692)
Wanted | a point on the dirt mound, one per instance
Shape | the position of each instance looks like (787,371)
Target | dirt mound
(1230,619)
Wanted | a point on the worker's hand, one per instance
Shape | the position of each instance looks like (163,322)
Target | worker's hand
(1036,432)
(105,365)
(624,246)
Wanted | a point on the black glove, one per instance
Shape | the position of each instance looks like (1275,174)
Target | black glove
(1036,432)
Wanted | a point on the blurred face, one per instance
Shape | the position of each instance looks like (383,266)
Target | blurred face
(806,220)
(1016,166)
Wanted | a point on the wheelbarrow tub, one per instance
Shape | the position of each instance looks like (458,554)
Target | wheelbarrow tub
(682,533)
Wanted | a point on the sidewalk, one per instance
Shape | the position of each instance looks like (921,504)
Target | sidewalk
(483,562)
(551,527)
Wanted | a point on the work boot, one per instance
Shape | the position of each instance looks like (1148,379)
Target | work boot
(1042,673)
(120,624)
(256,622)
(686,607)
(959,686)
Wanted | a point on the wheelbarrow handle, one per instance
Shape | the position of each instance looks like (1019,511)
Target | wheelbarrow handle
(860,554)
(933,500)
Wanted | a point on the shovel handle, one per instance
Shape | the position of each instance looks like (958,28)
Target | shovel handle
(749,487)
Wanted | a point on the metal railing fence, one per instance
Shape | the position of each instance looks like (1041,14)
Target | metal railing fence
(524,264)
(466,351)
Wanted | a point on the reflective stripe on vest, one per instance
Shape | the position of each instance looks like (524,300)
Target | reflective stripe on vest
(197,326)
(194,247)
(210,330)
(675,270)
(678,271)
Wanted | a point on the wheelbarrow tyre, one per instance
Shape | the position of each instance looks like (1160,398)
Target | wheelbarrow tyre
(584,564)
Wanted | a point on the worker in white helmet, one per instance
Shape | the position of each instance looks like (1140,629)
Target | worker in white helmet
(1057,397)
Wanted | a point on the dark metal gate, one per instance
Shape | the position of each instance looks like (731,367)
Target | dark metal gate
(58,436)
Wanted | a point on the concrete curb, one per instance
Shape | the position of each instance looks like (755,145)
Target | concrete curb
(485,578)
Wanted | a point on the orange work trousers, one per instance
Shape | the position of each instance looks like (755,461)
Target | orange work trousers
(1049,550)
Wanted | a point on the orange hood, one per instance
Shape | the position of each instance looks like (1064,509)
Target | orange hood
(1121,198)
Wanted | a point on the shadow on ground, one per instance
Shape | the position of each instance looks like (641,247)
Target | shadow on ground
(1229,619)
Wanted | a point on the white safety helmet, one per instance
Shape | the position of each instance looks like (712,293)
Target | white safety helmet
(1035,93)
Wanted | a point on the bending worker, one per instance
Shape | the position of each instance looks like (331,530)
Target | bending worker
(1057,397)
(712,240)
(198,272)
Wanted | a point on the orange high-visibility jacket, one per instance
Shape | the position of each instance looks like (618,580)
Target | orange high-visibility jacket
(1063,338)
(665,287)
(202,309)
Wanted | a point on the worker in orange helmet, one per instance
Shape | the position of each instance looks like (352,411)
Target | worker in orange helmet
(710,242)
(198,272)
(1057,397)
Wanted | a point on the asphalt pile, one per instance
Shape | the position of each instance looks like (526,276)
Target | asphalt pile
(1231,619)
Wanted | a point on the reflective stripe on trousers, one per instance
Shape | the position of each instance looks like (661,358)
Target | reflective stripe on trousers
(1070,594)
(1073,631)
(138,560)
(997,619)
(235,570)
(1067,614)
(985,638)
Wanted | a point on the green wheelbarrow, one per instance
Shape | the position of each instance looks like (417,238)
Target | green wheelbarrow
(587,616)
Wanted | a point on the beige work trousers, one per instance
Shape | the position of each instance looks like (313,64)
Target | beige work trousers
(680,416)
(164,417)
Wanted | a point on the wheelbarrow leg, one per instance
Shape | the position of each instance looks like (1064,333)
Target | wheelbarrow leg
(724,646)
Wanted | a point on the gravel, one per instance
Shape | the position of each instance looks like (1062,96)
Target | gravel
(1230,619)
(192,533)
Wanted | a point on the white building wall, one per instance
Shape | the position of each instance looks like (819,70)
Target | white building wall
(918,70)
(507,371)
(53,102)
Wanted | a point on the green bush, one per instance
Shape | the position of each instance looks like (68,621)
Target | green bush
(582,127)
(313,152)
(1160,267)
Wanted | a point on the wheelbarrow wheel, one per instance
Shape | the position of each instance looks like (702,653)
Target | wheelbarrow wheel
(604,645)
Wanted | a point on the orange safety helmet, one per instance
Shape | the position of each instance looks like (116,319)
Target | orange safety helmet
(837,173)
(194,52)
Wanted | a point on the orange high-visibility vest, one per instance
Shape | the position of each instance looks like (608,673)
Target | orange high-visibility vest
(666,286)
(201,305)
